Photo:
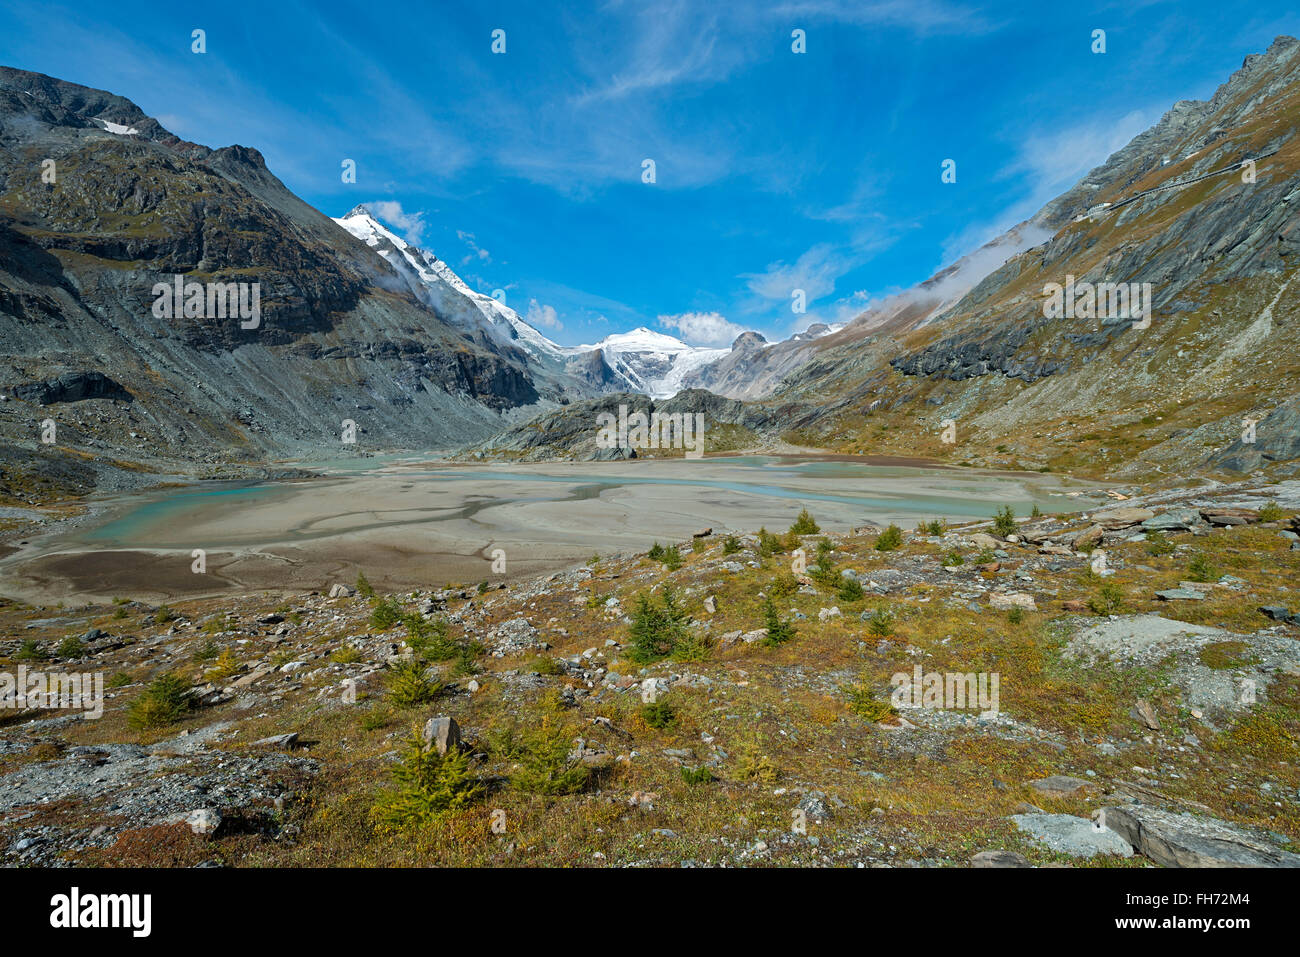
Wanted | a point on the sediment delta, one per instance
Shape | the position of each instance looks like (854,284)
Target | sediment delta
(416,524)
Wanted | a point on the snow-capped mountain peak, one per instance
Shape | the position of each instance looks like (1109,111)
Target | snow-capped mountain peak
(653,362)
(436,284)
(641,360)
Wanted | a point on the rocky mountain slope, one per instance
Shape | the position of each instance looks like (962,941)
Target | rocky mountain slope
(98,203)
(1113,394)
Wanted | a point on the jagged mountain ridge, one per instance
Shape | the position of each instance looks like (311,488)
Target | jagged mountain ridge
(339,337)
(638,361)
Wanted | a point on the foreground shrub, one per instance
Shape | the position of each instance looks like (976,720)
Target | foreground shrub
(850,590)
(657,627)
(70,647)
(696,776)
(410,685)
(225,666)
(769,544)
(428,637)
(889,539)
(1271,512)
(428,786)
(823,571)
(164,701)
(1109,600)
(1157,544)
(864,703)
(546,766)
(659,714)
(881,622)
(805,524)
(672,558)
(779,631)
(753,764)
(542,665)
(1199,569)
(386,613)
(1004,522)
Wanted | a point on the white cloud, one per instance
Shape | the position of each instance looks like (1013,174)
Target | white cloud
(920,16)
(410,225)
(476,251)
(814,272)
(1049,165)
(542,317)
(703,328)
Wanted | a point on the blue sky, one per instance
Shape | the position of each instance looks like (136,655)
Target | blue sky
(774,170)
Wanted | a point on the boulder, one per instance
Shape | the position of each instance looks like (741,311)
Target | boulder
(1074,836)
(999,859)
(1181,840)
(1060,785)
(728,639)
(203,821)
(1144,713)
(1014,600)
(72,387)
(1174,520)
(1088,539)
(340,591)
(1123,517)
(1181,594)
(1280,613)
(1230,516)
(443,733)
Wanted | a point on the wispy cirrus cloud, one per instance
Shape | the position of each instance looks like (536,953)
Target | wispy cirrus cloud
(919,16)
(666,45)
